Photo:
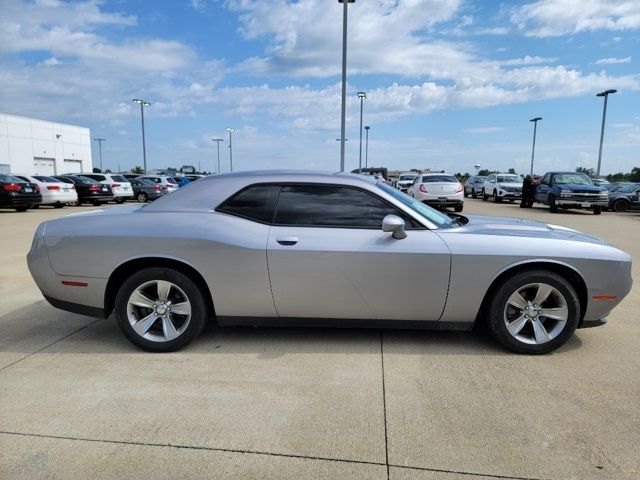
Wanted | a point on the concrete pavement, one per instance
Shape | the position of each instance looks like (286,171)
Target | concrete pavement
(77,400)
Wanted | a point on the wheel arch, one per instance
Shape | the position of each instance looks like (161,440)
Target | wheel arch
(127,268)
(566,271)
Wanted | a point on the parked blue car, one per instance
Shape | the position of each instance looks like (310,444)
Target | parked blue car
(571,190)
(181,181)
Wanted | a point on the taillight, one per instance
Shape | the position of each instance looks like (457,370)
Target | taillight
(157,188)
(72,187)
(11,187)
(460,188)
(422,188)
(114,185)
(53,187)
(37,188)
(94,188)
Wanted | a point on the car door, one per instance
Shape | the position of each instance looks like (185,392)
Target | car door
(543,189)
(328,258)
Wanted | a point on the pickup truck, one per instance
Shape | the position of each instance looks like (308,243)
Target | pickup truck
(570,190)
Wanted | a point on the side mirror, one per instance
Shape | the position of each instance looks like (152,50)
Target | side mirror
(394,224)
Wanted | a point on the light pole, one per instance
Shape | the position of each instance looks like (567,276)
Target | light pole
(143,103)
(604,94)
(100,140)
(218,140)
(366,147)
(533,149)
(361,96)
(344,80)
(230,130)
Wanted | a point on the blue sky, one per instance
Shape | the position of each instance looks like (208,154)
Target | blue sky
(450,83)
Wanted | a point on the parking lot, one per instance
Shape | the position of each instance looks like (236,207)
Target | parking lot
(79,401)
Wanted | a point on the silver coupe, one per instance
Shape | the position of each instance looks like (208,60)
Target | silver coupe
(304,248)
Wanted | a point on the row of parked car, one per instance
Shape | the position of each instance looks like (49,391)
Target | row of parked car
(557,190)
(22,192)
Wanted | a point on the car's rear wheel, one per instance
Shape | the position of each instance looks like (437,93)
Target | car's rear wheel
(620,205)
(58,205)
(485,197)
(119,200)
(142,197)
(160,310)
(22,209)
(96,204)
(458,208)
(533,312)
(597,210)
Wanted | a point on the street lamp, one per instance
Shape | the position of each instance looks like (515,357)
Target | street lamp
(100,140)
(344,80)
(218,140)
(143,103)
(230,130)
(366,148)
(361,96)
(604,94)
(533,149)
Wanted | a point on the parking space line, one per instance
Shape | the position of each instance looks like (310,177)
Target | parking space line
(384,404)
(50,345)
(254,452)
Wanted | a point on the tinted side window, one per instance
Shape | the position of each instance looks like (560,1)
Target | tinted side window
(330,206)
(252,203)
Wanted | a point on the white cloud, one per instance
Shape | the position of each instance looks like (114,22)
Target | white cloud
(50,62)
(493,31)
(613,60)
(548,18)
(67,30)
(483,130)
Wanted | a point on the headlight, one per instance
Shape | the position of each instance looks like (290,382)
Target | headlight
(604,194)
(565,193)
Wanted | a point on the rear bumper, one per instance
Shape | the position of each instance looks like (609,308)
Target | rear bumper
(443,202)
(22,200)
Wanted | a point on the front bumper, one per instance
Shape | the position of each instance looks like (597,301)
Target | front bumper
(579,203)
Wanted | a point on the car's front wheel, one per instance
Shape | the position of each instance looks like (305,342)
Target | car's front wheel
(485,197)
(534,312)
(620,205)
(160,310)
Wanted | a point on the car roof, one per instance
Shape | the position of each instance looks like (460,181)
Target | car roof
(210,191)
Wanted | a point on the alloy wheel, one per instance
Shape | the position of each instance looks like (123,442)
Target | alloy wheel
(536,313)
(159,311)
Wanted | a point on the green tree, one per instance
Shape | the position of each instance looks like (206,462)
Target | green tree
(512,170)
(634,176)
(485,172)
(588,171)
(137,169)
(96,170)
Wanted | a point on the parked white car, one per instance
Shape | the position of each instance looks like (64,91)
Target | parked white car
(122,190)
(502,186)
(438,190)
(54,192)
(405,180)
(163,181)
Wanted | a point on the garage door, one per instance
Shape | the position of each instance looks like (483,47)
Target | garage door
(44,166)
(72,166)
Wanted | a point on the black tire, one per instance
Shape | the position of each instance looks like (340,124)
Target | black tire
(553,208)
(35,207)
(597,210)
(620,205)
(58,205)
(458,208)
(465,193)
(473,193)
(199,310)
(77,203)
(484,196)
(495,317)
(496,197)
(96,204)
(119,200)
(142,197)
(22,209)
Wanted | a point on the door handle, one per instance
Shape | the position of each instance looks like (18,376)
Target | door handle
(287,241)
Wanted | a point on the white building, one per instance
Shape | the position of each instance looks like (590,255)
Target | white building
(39,147)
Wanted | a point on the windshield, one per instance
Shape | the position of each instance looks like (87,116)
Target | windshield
(82,179)
(434,216)
(439,178)
(628,188)
(574,178)
(509,179)
(479,179)
(10,179)
(119,178)
(42,178)
(407,177)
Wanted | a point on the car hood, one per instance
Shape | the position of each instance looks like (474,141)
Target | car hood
(519,227)
(583,188)
(106,211)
